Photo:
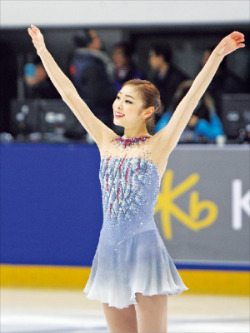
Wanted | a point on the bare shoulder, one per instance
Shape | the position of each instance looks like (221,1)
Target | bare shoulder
(107,140)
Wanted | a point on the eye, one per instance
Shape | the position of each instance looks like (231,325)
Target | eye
(127,101)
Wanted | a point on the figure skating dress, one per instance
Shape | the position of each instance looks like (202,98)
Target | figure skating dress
(131,256)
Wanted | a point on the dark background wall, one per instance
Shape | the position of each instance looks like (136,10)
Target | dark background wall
(187,41)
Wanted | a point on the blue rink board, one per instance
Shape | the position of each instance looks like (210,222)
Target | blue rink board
(51,214)
(50,204)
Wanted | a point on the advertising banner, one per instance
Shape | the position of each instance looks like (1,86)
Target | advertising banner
(203,208)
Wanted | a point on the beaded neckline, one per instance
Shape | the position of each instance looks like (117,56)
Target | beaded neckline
(127,142)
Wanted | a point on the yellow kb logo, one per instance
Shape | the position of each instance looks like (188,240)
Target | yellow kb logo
(166,206)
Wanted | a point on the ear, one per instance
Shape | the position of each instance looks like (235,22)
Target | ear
(147,113)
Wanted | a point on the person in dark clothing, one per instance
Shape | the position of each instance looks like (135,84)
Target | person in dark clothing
(125,68)
(40,86)
(91,73)
(166,76)
(225,82)
(8,91)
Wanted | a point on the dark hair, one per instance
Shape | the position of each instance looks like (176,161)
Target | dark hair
(150,96)
(162,49)
(82,38)
(201,110)
(126,47)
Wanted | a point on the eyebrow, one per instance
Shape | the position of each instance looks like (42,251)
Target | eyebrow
(126,95)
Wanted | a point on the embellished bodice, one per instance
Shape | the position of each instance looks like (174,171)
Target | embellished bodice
(130,185)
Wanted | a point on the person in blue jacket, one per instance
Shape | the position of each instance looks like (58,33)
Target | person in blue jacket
(203,124)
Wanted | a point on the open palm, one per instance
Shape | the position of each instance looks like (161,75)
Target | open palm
(37,37)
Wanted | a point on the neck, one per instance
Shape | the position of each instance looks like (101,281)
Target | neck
(134,133)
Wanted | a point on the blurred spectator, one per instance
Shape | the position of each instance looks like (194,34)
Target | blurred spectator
(39,85)
(125,68)
(91,73)
(166,76)
(204,122)
(224,82)
(96,45)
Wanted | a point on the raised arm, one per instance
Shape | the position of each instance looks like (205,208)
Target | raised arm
(97,129)
(170,134)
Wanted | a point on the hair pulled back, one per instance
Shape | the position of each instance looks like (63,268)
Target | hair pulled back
(150,96)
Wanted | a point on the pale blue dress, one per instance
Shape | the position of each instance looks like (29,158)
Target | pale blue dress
(131,256)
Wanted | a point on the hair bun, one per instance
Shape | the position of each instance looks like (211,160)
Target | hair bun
(158,108)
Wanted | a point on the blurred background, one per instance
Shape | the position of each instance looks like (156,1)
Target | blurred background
(50,199)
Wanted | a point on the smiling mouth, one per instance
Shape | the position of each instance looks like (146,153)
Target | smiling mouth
(119,115)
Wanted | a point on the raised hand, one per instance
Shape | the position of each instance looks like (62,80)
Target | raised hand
(37,37)
(230,43)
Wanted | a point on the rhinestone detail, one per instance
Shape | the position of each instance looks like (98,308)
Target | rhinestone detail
(126,184)
(127,142)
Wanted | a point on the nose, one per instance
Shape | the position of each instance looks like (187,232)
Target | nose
(119,103)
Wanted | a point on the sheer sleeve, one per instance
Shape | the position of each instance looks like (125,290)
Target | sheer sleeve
(96,128)
(168,136)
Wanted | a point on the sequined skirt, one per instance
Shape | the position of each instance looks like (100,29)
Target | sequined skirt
(139,264)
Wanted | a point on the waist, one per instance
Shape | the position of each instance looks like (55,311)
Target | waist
(118,230)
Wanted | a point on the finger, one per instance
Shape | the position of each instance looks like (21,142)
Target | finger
(240,41)
(240,45)
(240,38)
(236,35)
(30,33)
(237,32)
(34,28)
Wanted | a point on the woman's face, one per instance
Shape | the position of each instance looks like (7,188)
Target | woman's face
(128,107)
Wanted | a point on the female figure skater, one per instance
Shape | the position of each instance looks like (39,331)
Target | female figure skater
(132,273)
